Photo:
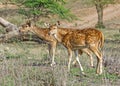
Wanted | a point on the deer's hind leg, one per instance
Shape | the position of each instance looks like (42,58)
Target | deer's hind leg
(77,59)
(88,52)
(99,59)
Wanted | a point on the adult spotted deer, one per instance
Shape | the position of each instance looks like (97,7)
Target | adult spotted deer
(43,34)
(85,39)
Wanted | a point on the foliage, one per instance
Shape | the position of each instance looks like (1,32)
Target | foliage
(37,8)
(104,2)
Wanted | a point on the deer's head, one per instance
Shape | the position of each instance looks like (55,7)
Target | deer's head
(54,28)
(25,27)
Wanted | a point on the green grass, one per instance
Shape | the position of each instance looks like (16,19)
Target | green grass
(8,81)
(27,63)
(32,67)
(116,36)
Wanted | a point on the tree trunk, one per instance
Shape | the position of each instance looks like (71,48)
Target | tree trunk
(13,31)
(99,8)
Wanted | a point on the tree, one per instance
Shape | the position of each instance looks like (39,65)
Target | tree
(100,4)
(99,7)
(37,8)
(34,9)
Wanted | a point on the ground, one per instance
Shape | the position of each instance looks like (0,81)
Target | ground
(28,63)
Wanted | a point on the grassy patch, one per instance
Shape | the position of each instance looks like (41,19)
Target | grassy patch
(27,63)
(116,36)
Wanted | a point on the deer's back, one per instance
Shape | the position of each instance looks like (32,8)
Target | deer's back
(82,37)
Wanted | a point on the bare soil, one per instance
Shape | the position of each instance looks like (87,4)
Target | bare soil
(88,16)
(33,65)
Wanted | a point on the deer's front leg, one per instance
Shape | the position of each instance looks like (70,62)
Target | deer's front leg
(52,48)
(52,52)
(69,58)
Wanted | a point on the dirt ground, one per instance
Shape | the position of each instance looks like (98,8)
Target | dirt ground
(33,66)
(87,16)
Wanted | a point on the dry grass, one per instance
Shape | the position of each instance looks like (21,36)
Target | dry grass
(28,63)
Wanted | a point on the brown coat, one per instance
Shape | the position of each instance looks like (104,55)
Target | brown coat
(88,38)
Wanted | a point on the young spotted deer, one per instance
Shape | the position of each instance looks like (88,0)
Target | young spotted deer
(43,34)
(85,39)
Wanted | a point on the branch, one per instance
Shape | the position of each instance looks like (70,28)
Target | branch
(8,26)
(13,31)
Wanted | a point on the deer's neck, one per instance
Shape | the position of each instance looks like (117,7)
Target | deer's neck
(39,32)
(35,30)
(60,35)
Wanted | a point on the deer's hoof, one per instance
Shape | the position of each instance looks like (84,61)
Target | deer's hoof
(53,64)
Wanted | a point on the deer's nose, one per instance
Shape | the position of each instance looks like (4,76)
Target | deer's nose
(49,33)
(19,31)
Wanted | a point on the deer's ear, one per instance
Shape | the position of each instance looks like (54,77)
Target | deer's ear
(28,23)
(58,22)
(47,24)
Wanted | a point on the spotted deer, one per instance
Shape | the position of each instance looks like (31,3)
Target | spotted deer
(85,39)
(43,34)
